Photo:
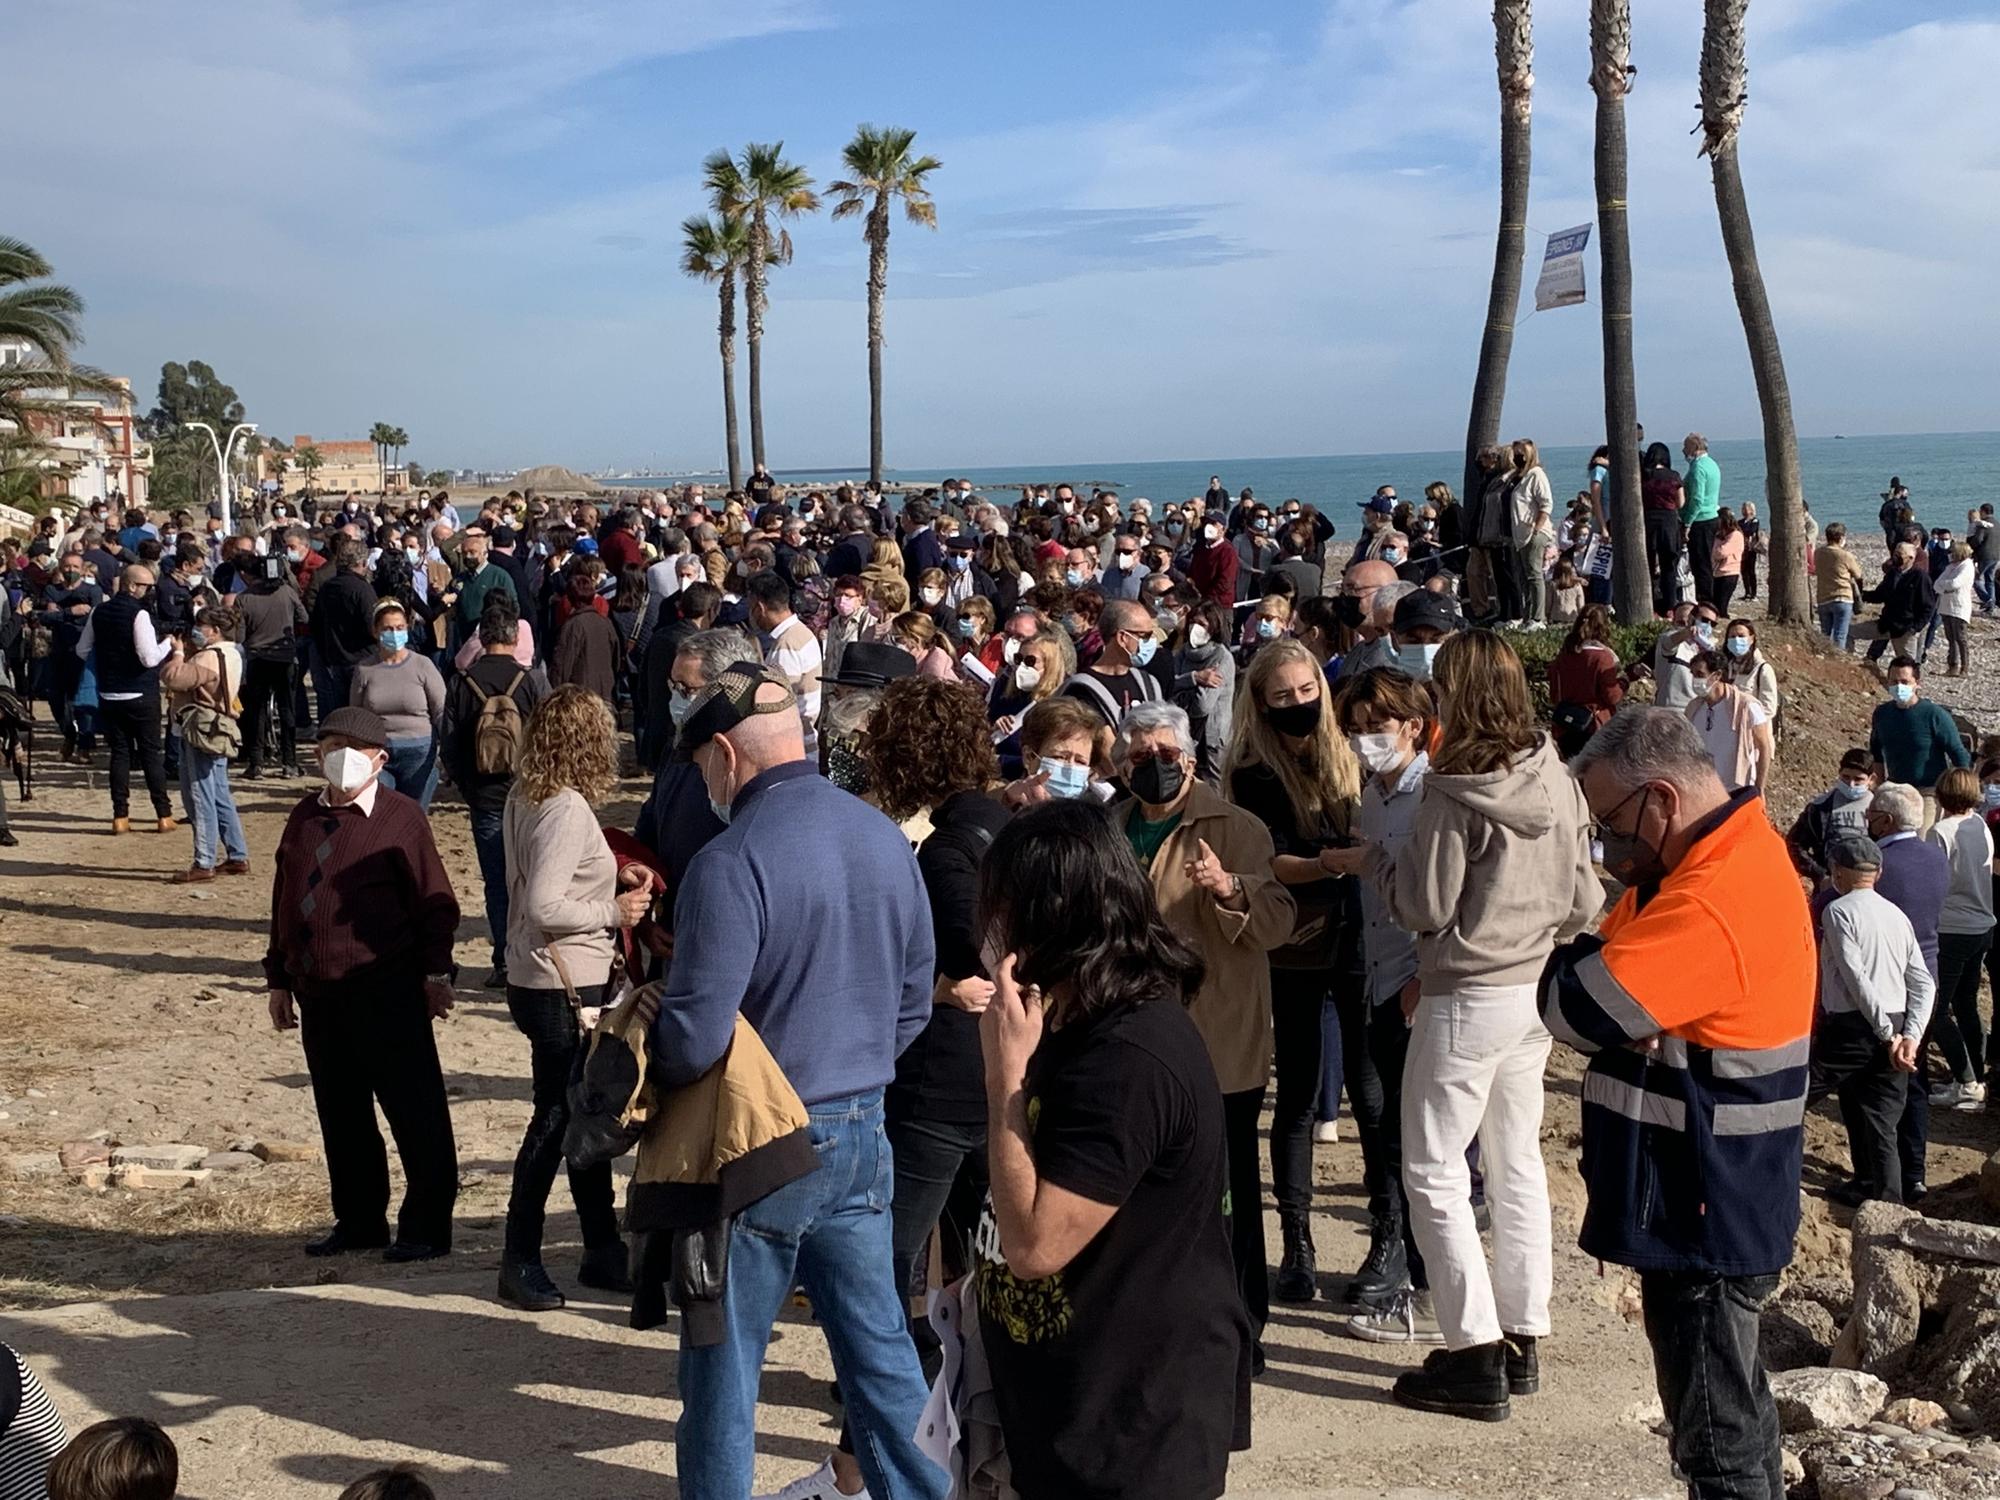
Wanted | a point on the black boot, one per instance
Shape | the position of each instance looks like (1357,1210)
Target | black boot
(1524,1366)
(1460,1383)
(524,1284)
(1297,1276)
(1387,1268)
(607,1268)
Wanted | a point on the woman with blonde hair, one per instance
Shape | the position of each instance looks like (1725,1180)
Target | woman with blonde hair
(1289,767)
(1531,506)
(1495,871)
(917,633)
(565,899)
(1493,532)
(1044,662)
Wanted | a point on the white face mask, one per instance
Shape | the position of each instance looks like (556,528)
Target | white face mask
(933,596)
(347,770)
(1197,636)
(1027,677)
(1378,752)
(1011,650)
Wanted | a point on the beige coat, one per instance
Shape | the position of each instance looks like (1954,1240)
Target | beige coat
(1233,1010)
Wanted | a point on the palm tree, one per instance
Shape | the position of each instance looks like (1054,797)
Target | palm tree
(1724,72)
(310,461)
(399,440)
(757,187)
(380,435)
(1514,51)
(44,317)
(881,169)
(714,249)
(1611,77)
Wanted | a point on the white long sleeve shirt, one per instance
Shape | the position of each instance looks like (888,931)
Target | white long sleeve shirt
(1869,963)
(152,650)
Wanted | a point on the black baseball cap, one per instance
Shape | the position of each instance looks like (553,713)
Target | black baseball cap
(873,664)
(1427,608)
(731,699)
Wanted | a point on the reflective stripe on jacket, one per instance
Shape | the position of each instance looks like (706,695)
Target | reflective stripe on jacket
(1695,1003)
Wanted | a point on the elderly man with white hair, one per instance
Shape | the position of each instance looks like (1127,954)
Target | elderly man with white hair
(1210,866)
(1915,879)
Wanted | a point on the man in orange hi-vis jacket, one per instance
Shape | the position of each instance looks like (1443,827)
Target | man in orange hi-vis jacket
(1695,1003)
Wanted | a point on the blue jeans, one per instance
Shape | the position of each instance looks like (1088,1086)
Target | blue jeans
(490,845)
(1983,584)
(830,1233)
(210,809)
(1703,1330)
(1836,620)
(412,769)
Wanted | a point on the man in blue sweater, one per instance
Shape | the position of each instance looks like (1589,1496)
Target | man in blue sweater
(807,915)
(1913,739)
(1915,878)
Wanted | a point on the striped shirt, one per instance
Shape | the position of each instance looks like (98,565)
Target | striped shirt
(31,1431)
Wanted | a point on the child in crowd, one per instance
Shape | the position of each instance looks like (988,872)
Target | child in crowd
(1565,595)
(126,1458)
(402,1482)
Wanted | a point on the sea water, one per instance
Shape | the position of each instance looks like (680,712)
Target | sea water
(1844,477)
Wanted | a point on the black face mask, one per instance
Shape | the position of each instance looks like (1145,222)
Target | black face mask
(1628,857)
(1296,719)
(1347,610)
(1157,781)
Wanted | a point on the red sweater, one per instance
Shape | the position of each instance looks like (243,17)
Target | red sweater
(358,896)
(1212,571)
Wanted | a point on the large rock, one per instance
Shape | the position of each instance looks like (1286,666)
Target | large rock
(160,1158)
(232,1161)
(76,1155)
(1989,1181)
(284,1151)
(1817,1400)
(1953,1237)
(1916,1415)
(130,1176)
(35,1164)
(1797,1334)
(1890,1285)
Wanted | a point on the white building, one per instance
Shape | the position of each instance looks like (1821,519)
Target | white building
(93,450)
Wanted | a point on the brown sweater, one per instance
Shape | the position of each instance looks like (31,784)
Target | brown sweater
(358,896)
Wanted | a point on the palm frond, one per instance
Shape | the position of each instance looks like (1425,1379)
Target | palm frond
(20,261)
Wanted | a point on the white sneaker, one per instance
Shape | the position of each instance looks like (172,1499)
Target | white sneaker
(1968,1096)
(1406,1318)
(1327,1133)
(817,1485)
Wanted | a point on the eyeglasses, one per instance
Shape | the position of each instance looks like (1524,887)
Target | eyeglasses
(1601,826)
(1166,756)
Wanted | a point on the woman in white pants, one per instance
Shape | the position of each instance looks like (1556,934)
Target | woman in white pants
(1495,872)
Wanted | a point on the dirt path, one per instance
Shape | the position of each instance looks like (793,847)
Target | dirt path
(136,1007)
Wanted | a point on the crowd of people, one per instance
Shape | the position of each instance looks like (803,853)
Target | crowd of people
(1005,869)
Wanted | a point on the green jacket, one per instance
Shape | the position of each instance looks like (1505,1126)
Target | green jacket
(472,592)
(1703,491)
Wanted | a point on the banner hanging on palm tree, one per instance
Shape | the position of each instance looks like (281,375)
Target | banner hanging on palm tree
(1561,281)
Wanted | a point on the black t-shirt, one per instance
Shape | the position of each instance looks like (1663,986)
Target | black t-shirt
(1128,1371)
(1125,689)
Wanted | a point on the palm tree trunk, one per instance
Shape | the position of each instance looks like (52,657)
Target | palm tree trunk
(1724,71)
(753,314)
(1514,49)
(878,287)
(726,327)
(1611,55)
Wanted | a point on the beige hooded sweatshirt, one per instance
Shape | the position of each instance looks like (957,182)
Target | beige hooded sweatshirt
(1496,871)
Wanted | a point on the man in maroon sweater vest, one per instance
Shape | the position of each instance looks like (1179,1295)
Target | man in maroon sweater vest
(362,919)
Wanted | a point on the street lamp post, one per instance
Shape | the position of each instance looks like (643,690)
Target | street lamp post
(222,452)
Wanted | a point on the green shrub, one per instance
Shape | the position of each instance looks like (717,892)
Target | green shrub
(1538,648)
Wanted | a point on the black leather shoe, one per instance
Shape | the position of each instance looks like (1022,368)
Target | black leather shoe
(1459,1383)
(607,1268)
(524,1284)
(346,1242)
(1524,1365)
(405,1251)
(1297,1280)
(1387,1268)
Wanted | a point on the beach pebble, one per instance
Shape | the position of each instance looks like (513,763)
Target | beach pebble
(35,1164)
(1860,1487)
(232,1161)
(1904,1492)
(36,1094)
(283,1151)
(1916,1415)
(1813,1400)
(1794,1466)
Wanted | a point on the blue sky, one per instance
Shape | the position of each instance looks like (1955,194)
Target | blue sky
(1165,231)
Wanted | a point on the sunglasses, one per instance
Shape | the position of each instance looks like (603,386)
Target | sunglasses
(1166,757)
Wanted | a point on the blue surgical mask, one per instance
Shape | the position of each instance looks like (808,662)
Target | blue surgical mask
(1989,795)
(1073,577)
(959,562)
(1847,791)
(1904,692)
(1065,779)
(679,706)
(967,625)
(1267,628)
(393,640)
(721,811)
(1260,524)
(1392,555)
(197,638)
(1145,652)
(1739,645)
(1705,633)
(1416,659)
